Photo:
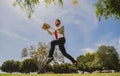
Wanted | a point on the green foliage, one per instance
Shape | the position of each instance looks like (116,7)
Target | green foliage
(24,52)
(98,74)
(49,68)
(28,6)
(28,65)
(108,8)
(40,54)
(60,2)
(10,66)
(85,62)
(64,68)
(106,57)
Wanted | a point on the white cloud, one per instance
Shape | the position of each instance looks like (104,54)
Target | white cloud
(119,40)
(87,50)
(109,41)
(105,40)
(15,23)
(118,46)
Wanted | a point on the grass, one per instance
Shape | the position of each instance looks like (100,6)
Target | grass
(98,74)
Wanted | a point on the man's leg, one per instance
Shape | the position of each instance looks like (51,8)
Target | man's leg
(62,49)
(50,56)
(53,43)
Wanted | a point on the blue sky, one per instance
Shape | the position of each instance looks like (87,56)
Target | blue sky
(83,32)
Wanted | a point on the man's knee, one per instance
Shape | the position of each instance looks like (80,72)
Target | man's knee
(52,43)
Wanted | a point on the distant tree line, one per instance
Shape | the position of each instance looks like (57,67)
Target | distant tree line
(104,58)
(28,65)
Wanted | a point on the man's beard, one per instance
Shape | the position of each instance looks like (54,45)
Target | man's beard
(57,25)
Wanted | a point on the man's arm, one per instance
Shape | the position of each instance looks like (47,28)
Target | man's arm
(49,32)
(61,30)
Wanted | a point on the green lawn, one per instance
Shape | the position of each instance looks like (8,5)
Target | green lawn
(100,74)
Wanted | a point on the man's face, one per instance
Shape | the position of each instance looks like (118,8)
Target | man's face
(57,23)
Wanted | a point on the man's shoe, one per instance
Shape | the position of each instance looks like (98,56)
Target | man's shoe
(49,60)
(43,69)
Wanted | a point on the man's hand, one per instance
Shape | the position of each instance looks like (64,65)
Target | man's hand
(45,26)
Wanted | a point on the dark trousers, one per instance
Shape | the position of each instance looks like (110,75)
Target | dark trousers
(60,42)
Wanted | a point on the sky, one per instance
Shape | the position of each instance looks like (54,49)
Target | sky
(83,32)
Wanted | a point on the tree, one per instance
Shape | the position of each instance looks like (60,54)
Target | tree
(107,57)
(28,6)
(0,67)
(108,8)
(104,8)
(85,62)
(89,57)
(28,65)
(24,52)
(81,62)
(40,54)
(10,66)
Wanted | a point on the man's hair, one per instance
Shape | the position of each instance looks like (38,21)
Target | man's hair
(58,20)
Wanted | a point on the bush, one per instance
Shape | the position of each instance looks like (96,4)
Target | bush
(49,68)
(28,65)
(64,68)
(10,66)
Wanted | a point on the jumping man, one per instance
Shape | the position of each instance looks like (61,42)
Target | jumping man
(60,41)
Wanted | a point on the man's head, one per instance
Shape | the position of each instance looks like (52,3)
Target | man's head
(57,22)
